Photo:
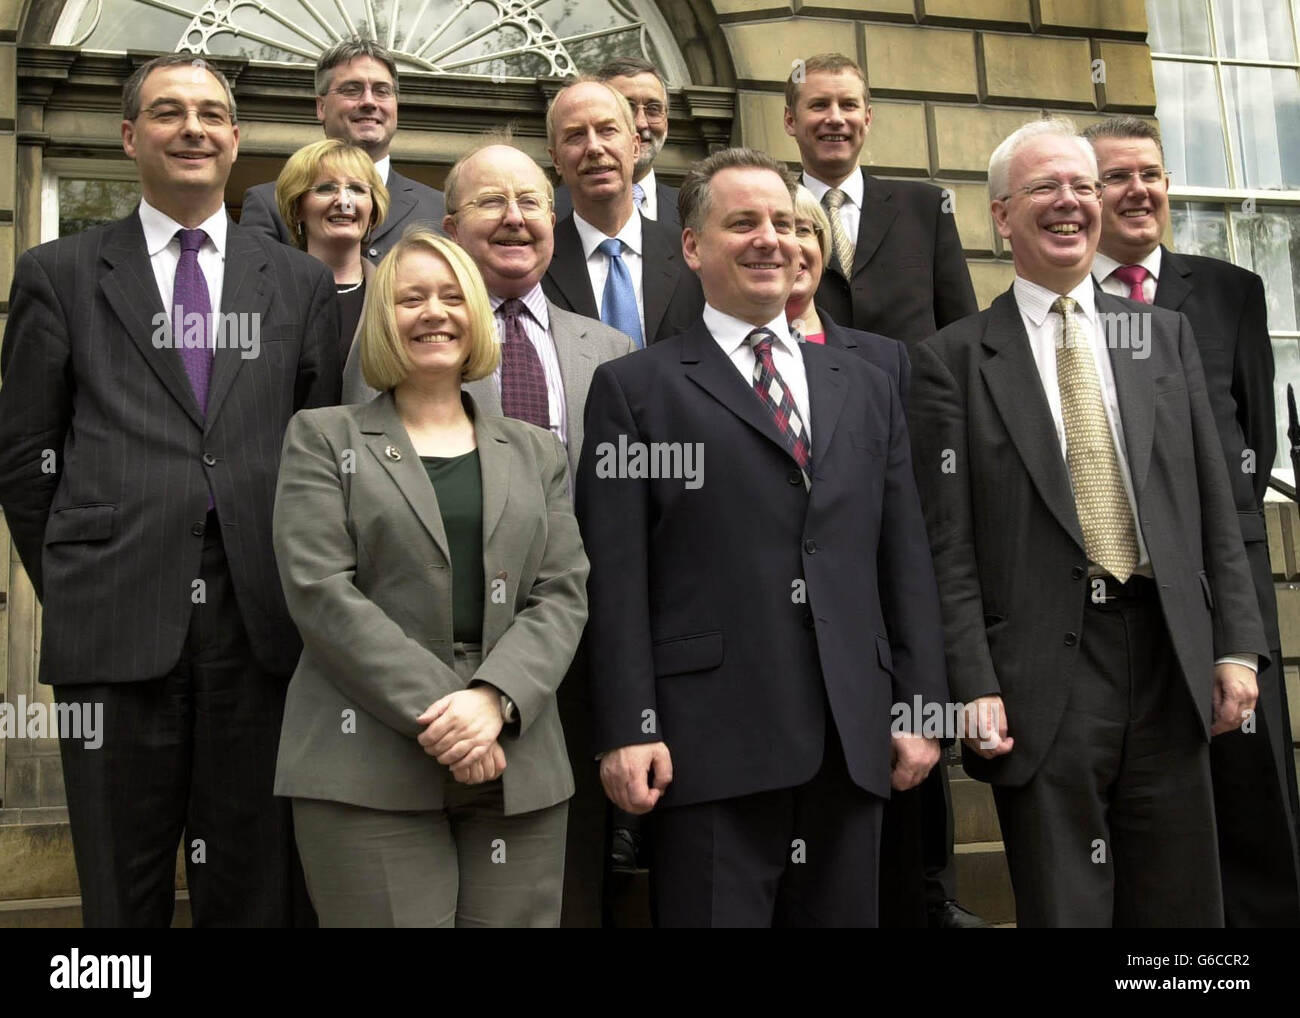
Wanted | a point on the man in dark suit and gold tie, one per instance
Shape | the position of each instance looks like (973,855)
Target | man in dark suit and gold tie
(1099,618)
(1253,768)
(149,540)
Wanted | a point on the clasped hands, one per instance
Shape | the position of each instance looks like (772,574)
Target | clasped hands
(461,733)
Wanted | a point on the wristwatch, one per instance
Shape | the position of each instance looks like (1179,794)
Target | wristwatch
(508,711)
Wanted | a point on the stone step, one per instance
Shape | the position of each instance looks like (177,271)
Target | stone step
(983,881)
(975,818)
(64,913)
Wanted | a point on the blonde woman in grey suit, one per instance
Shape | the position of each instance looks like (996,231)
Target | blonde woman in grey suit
(431,560)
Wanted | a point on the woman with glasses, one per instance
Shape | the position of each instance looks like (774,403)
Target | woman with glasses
(331,198)
(431,561)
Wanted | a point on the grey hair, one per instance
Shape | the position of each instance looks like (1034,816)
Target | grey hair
(1000,160)
(134,84)
(347,50)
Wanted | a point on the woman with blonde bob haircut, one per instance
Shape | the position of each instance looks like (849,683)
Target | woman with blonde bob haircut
(431,561)
(330,196)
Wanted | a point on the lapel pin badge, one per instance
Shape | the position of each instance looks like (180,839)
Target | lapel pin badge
(392,453)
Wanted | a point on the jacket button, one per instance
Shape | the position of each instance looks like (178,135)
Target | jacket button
(809,622)
(1071,639)
(810,546)
(209,459)
(1076,573)
(197,529)
(795,477)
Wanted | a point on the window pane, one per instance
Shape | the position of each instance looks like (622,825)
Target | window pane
(1268,242)
(1178,26)
(1254,29)
(1200,230)
(1264,111)
(1188,110)
(87,203)
(1286,363)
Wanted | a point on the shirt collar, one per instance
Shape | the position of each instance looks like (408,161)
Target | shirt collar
(730,332)
(591,237)
(382,167)
(853,188)
(1036,301)
(1104,266)
(534,300)
(160,228)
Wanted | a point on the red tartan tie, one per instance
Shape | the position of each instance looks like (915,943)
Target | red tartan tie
(771,389)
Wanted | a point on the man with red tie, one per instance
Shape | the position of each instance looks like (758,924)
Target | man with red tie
(1254,775)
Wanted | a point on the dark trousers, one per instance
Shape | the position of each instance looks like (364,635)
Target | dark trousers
(918,870)
(190,753)
(1116,828)
(586,852)
(796,857)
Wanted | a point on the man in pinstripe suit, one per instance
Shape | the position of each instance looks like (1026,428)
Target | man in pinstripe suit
(139,445)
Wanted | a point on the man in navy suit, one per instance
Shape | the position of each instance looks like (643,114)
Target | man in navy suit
(761,586)
(356,101)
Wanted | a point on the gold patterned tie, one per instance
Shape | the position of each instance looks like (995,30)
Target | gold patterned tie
(1105,516)
(840,242)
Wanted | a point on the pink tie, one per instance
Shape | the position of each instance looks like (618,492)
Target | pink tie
(1133,275)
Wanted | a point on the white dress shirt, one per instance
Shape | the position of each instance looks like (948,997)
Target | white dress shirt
(382,166)
(598,263)
(851,210)
(164,249)
(730,334)
(650,206)
(1103,266)
(537,326)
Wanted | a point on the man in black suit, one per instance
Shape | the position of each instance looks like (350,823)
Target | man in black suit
(356,101)
(1099,617)
(641,84)
(896,268)
(139,444)
(762,593)
(906,275)
(611,262)
(1253,768)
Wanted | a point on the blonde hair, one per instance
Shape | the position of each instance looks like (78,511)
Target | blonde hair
(385,363)
(305,165)
(807,207)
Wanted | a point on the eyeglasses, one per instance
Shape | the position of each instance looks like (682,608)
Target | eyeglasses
(654,110)
(1151,176)
(330,188)
(356,89)
(170,113)
(493,206)
(1044,192)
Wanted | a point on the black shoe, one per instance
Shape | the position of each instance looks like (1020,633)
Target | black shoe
(624,850)
(951,916)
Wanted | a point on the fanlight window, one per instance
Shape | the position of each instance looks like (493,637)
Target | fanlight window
(489,38)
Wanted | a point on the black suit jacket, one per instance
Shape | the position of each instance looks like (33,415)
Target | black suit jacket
(909,272)
(410,202)
(665,203)
(106,461)
(670,290)
(889,355)
(700,633)
(1008,551)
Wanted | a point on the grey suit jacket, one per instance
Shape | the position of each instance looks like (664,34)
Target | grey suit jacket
(409,202)
(1008,550)
(580,345)
(366,569)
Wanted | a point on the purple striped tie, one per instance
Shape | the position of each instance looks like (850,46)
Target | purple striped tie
(523,382)
(190,297)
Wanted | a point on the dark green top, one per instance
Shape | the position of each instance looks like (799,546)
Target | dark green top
(459,487)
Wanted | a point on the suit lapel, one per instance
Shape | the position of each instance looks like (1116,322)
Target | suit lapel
(494,465)
(1011,375)
(1174,285)
(132,291)
(877,216)
(391,447)
(568,270)
(577,365)
(1134,388)
(245,291)
(660,264)
(826,393)
(401,202)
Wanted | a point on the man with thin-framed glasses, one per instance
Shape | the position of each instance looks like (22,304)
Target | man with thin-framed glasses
(1253,770)
(1100,624)
(356,101)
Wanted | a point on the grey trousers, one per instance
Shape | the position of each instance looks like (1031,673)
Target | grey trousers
(466,864)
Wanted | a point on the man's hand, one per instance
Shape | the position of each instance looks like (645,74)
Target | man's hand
(490,766)
(626,772)
(986,727)
(910,759)
(462,725)
(1235,692)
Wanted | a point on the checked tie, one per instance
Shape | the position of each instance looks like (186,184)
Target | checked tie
(1105,516)
(190,297)
(840,242)
(523,382)
(771,389)
(1133,276)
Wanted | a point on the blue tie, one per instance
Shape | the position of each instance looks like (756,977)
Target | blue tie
(618,305)
(638,195)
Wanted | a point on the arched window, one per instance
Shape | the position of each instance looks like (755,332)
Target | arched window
(485,38)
